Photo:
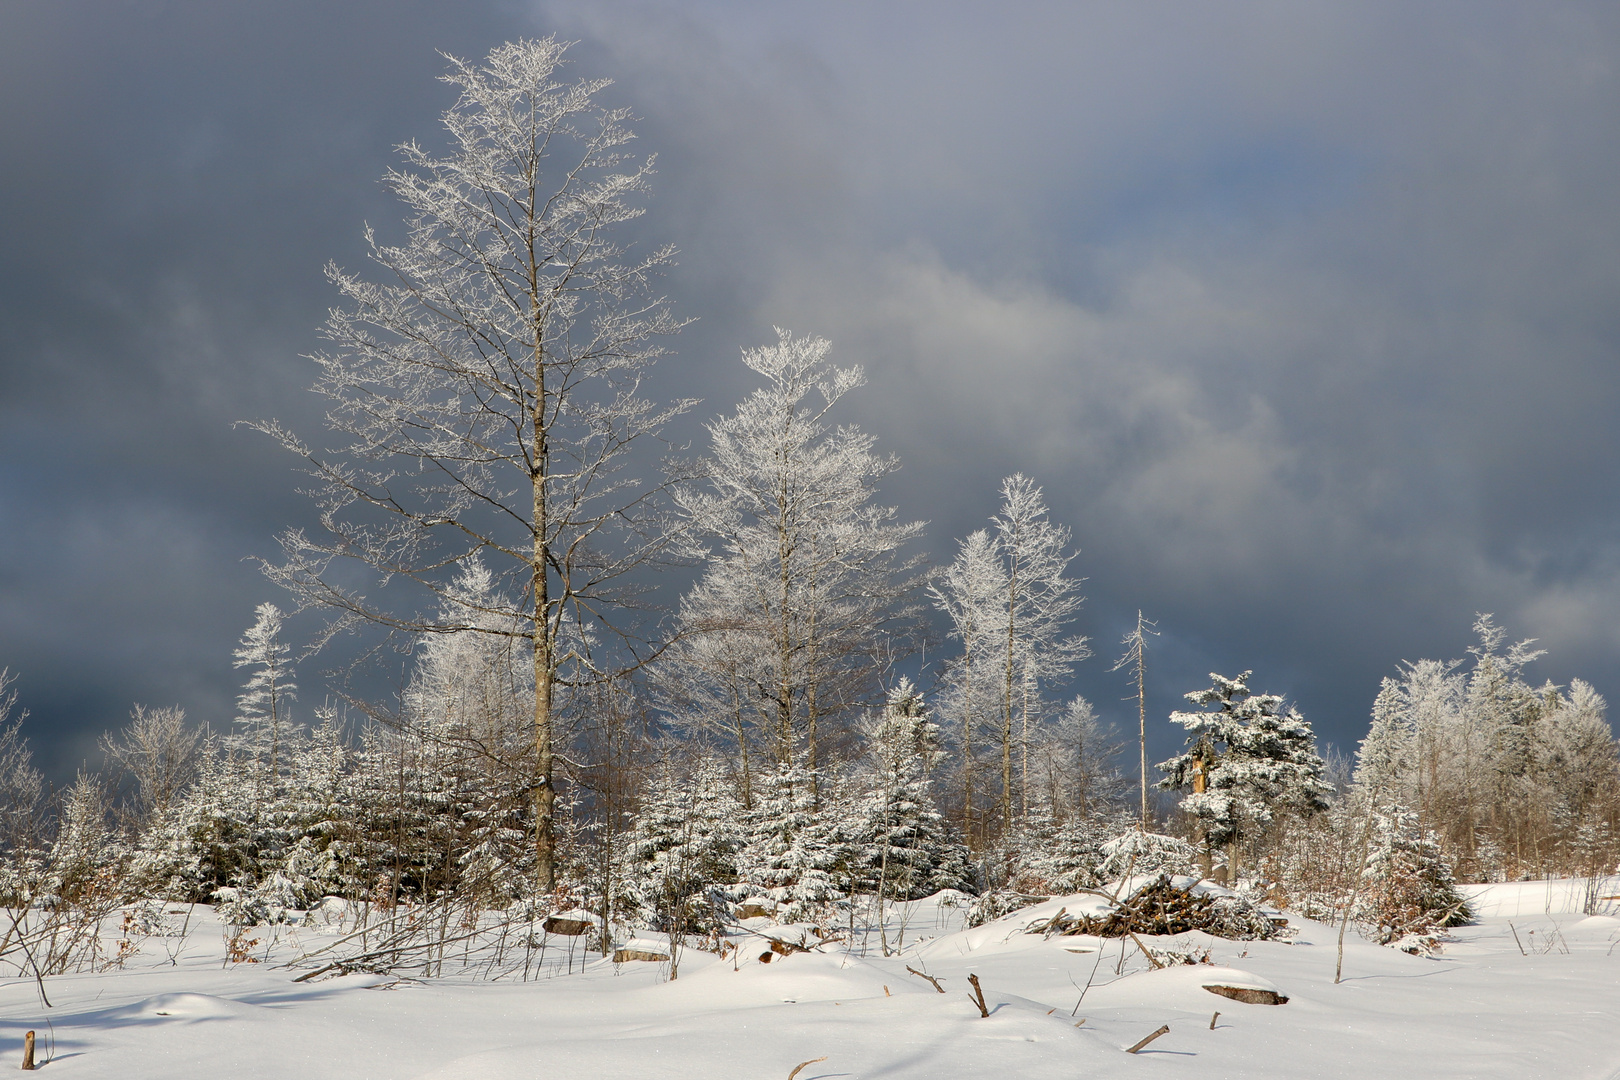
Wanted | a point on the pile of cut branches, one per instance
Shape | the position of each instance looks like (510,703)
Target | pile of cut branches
(1161,907)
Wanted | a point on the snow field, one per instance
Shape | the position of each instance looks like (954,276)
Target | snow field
(1483,1009)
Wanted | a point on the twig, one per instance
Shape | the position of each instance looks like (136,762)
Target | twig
(1212,1020)
(922,975)
(1517,942)
(1164,1030)
(802,1064)
(977,996)
(1095,964)
(1155,961)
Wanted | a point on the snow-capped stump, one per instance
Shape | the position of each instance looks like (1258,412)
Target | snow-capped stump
(571,923)
(1249,994)
(638,950)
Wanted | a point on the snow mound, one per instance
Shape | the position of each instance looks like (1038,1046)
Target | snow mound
(1179,987)
(187,1007)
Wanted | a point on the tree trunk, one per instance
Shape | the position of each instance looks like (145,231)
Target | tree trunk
(545,792)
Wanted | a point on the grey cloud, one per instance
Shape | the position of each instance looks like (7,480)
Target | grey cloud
(1304,315)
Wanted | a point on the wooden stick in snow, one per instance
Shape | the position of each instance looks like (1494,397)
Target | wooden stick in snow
(28,1052)
(977,996)
(1212,1020)
(1164,1030)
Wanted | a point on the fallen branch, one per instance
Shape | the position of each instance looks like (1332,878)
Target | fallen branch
(922,975)
(1164,1030)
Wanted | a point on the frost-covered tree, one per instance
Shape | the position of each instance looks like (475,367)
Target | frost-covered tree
(804,575)
(1134,660)
(21,785)
(1074,770)
(160,754)
(1010,600)
(1247,760)
(795,847)
(969,592)
(1037,603)
(1507,774)
(262,709)
(901,848)
(485,392)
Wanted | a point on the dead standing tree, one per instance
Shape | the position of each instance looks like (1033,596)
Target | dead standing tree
(487,396)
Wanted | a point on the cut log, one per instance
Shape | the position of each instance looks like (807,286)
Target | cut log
(624,956)
(1249,995)
(568,927)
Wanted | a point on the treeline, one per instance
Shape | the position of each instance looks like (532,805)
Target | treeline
(564,739)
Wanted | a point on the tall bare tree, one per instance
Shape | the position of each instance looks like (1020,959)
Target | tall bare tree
(1135,660)
(486,392)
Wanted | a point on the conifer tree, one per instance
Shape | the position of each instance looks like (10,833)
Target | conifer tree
(900,848)
(1247,759)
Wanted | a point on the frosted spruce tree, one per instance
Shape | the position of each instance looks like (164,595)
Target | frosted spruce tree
(683,844)
(795,848)
(484,393)
(1247,760)
(804,577)
(901,848)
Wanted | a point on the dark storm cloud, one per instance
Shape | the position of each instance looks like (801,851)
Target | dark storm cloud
(1304,315)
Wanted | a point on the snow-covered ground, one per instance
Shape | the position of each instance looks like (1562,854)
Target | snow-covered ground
(1532,990)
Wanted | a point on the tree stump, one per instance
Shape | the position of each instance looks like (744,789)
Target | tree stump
(568,927)
(1249,995)
(623,956)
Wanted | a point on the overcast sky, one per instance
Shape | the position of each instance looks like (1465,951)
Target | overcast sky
(1304,315)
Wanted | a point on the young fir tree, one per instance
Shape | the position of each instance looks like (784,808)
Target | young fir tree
(795,849)
(683,844)
(1407,884)
(1247,759)
(901,848)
